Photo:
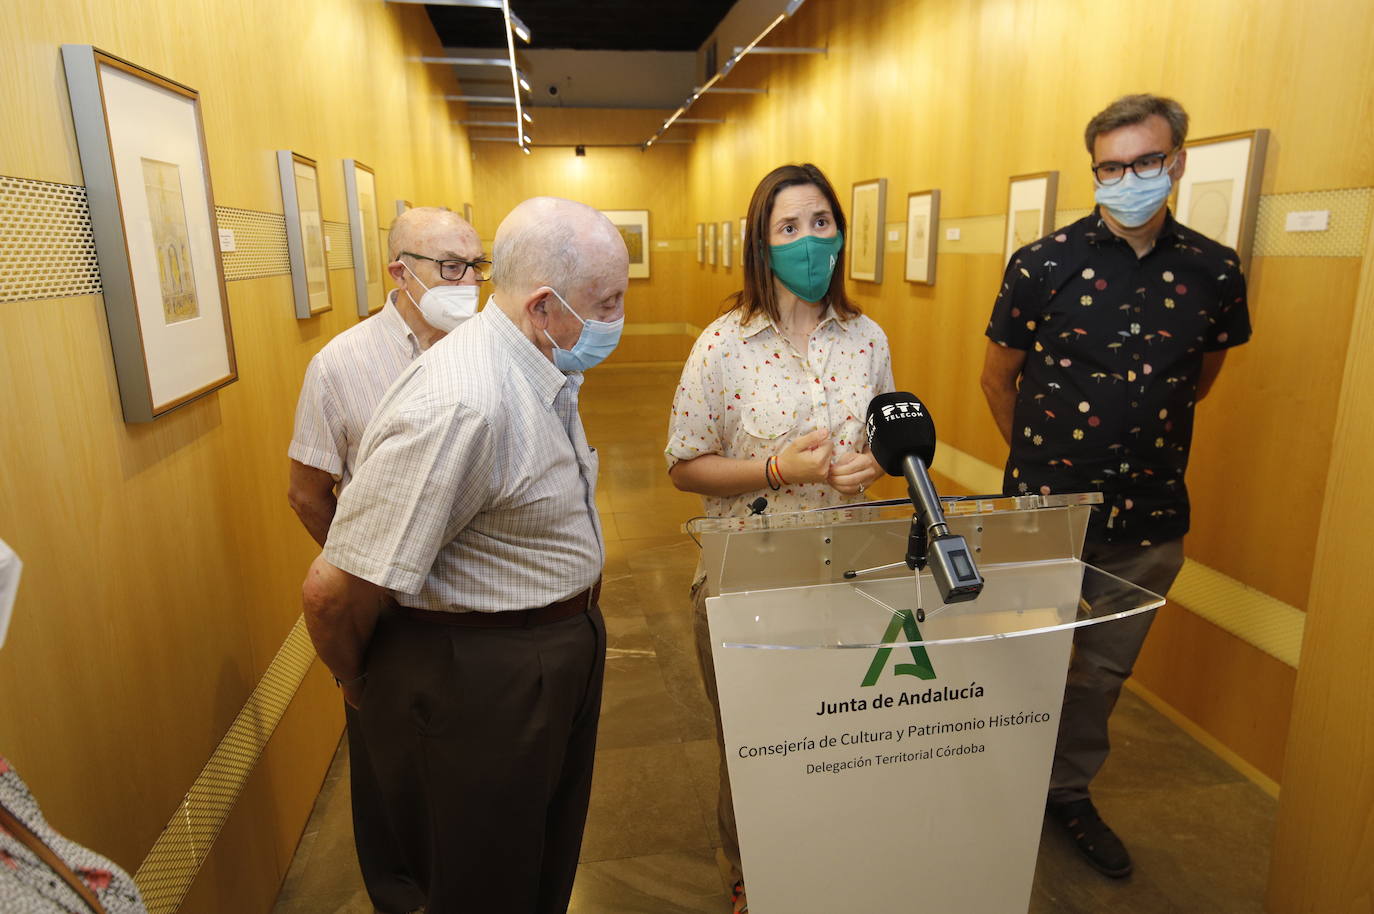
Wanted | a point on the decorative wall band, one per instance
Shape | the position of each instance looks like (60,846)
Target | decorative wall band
(1256,618)
(1345,237)
(166,874)
(46,246)
(340,254)
(259,243)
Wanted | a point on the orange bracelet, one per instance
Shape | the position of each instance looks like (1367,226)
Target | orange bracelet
(777,470)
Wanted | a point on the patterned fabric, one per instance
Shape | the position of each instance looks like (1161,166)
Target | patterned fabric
(475,488)
(746,392)
(29,886)
(343,384)
(1109,384)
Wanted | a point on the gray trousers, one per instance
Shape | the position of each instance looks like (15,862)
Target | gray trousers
(482,742)
(1103,657)
(725,801)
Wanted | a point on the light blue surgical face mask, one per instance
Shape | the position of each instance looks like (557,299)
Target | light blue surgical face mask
(597,340)
(1133,200)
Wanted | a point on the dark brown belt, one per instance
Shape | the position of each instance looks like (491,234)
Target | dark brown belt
(517,618)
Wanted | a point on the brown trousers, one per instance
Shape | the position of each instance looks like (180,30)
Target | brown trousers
(482,741)
(1103,657)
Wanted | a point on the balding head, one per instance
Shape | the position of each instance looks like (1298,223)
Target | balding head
(549,241)
(414,228)
(428,234)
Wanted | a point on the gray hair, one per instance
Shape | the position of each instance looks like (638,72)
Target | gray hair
(1134,109)
(536,253)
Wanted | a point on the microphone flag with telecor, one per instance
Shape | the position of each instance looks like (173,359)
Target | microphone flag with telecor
(901,437)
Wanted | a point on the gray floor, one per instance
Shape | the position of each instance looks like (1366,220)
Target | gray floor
(1200,833)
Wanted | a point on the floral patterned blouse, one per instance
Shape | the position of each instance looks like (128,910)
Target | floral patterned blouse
(746,392)
(29,886)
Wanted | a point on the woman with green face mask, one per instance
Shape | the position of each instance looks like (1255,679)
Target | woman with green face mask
(773,397)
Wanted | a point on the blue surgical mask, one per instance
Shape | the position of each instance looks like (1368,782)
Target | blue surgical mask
(597,340)
(1133,200)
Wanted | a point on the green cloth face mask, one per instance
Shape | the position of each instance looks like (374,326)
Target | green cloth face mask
(804,266)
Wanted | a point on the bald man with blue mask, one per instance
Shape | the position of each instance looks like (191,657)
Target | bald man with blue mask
(438,267)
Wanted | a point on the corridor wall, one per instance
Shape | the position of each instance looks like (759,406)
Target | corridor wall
(962,95)
(162,563)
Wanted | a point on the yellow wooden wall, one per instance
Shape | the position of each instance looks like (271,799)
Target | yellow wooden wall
(162,564)
(961,95)
(607,177)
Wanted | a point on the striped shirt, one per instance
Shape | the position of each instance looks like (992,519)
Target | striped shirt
(343,385)
(475,489)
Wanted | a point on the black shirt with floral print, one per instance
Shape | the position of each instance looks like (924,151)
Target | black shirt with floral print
(1114,353)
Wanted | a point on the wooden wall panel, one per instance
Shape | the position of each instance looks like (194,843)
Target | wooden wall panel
(1323,857)
(959,96)
(162,563)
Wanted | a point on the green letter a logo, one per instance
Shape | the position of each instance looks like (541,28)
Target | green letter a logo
(903,623)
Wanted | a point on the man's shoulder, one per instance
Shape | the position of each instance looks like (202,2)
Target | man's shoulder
(1191,241)
(468,367)
(352,348)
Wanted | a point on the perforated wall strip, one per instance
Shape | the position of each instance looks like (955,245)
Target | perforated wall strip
(166,874)
(259,242)
(46,246)
(340,254)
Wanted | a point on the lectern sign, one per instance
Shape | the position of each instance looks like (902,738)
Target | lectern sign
(929,761)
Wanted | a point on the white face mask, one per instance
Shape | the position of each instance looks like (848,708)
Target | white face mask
(444,307)
(10,567)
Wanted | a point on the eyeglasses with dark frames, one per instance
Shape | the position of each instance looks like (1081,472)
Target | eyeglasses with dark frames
(1147,166)
(455,270)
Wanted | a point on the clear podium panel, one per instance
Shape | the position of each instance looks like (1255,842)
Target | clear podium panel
(887,752)
(818,547)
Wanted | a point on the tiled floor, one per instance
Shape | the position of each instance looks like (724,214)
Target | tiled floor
(1199,832)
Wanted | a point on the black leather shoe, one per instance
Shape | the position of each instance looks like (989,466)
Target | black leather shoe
(1095,840)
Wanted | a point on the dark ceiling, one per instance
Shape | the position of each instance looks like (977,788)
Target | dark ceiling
(586,25)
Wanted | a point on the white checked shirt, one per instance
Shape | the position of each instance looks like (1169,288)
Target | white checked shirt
(475,488)
(343,385)
(746,392)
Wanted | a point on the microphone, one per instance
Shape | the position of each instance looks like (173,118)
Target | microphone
(901,436)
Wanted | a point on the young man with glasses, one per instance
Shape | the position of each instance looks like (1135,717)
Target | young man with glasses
(1103,338)
(436,264)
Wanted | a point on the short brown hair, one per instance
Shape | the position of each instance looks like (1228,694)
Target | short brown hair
(757,294)
(1134,109)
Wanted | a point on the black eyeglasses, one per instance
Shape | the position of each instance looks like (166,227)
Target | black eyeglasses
(454,270)
(1150,166)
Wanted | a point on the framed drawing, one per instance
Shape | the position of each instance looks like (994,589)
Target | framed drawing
(727,244)
(300,195)
(711,243)
(868,202)
(633,225)
(701,242)
(402,206)
(1218,194)
(1030,210)
(360,192)
(142,148)
(922,222)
